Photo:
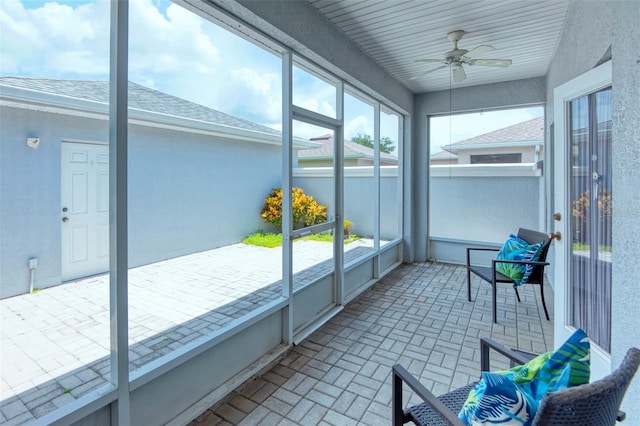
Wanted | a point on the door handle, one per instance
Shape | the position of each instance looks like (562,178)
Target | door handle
(65,219)
(555,236)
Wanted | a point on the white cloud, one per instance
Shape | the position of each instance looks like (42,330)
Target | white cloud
(265,90)
(168,44)
(55,40)
(327,109)
(358,125)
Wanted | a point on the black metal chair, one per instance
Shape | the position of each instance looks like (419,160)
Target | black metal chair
(493,277)
(596,403)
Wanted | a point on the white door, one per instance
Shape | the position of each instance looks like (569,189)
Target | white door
(582,197)
(85,209)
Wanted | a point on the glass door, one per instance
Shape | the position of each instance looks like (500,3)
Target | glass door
(591,195)
(582,212)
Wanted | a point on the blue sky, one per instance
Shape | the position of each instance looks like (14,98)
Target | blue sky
(173,50)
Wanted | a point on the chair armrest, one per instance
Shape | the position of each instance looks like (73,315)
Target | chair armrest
(522,262)
(470,249)
(400,375)
(486,344)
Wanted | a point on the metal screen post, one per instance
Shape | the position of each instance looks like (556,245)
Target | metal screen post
(118,262)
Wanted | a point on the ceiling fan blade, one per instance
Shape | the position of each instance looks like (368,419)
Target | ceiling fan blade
(458,74)
(430,60)
(427,72)
(479,51)
(491,62)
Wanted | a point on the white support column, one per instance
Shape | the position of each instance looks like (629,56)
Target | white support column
(118,262)
(376,179)
(338,155)
(287,179)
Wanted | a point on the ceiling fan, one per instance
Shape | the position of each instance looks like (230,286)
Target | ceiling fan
(456,58)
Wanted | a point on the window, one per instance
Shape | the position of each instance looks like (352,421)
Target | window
(488,137)
(55,214)
(471,160)
(203,155)
(591,216)
(496,158)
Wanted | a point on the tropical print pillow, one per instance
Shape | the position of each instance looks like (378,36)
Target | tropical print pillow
(512,397)
(518,249)
(498,400)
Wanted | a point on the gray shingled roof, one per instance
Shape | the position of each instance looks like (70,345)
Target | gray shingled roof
(444,155)
(140,97)
(351,150)
(531,130)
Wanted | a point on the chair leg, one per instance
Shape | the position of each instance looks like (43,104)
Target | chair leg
(494,294)
(397,415)
(468,284)
(517,294)
(544,305)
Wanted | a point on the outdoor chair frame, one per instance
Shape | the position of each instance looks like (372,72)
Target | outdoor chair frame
(493,277)
(596,403)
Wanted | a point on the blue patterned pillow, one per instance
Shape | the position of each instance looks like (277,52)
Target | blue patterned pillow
(496,399)
(518,249)
(512,397)
(566,367)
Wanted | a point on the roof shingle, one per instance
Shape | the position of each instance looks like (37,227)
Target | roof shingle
(140,97)
(531,130)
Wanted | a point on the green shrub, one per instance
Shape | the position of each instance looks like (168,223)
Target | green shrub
(306,211)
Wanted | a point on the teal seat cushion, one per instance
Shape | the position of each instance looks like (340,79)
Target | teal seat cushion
(518,249)
(512,397)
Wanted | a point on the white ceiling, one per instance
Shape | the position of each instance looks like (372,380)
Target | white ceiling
(395,33)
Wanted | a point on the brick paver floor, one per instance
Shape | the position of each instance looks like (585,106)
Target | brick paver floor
(417,316)
(54,345)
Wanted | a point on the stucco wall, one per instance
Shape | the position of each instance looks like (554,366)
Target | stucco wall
(359,197)
(181,188)
(30,195)
(626,178)
(591,28)
(467,208)
(190,193)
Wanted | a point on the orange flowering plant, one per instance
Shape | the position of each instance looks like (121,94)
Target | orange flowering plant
(306,210)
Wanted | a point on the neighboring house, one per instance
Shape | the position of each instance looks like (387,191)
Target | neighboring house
(55,193)
(355,154)
(520,143)
(444,158)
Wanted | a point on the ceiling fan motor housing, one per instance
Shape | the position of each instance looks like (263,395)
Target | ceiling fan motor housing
(455,54)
